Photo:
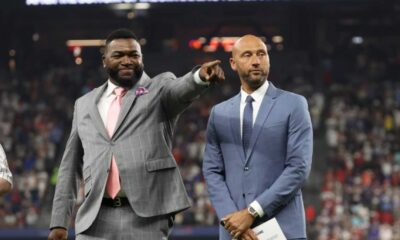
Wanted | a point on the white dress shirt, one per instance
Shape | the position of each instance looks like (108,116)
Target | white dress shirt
(105,101)
(258,96)
(5,172)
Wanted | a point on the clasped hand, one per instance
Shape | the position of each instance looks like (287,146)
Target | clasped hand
(238,225)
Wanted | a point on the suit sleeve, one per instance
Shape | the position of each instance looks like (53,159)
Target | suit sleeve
(5,172)
(214,172)
(179,93)
(69,177)
(298,161)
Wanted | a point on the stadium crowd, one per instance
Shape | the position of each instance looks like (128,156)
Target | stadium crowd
(360,197)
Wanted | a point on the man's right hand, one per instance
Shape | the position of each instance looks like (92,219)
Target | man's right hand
(58,234)
(212,72)
(238,222)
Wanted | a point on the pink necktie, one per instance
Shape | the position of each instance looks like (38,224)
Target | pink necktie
(113,185)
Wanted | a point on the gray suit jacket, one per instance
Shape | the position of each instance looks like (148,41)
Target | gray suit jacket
(277,164)
(141,144)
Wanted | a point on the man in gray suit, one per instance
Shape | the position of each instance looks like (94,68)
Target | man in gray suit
(258,152)
(120,147)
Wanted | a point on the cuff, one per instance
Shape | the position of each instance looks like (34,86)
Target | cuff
(256,206)
(198,80)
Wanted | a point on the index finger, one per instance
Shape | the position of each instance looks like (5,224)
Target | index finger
(212,63)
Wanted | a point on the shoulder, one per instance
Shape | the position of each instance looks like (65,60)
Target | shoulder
(89,97)
(160,80)
(224,106)
(165,76)
(85,98)
(291,99)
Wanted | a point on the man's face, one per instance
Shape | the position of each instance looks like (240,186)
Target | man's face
(123,62)
(250,60)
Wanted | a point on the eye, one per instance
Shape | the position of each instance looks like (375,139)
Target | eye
(136,55)
(116,55)
(246,55)
(261,54)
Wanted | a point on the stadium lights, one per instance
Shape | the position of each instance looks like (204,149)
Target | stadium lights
(277,39)
(12,52)
(142,41)
(201,43)
(35,37)
(130,15)
(131,6)
(93,42)
(90,2)
(142,6)
(86,43)
(78,61)
(122,6)
(357,40)
(75,2)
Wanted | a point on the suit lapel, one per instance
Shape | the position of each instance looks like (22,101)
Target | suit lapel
(94,111)
(235,126)
(265,109)
(128,101)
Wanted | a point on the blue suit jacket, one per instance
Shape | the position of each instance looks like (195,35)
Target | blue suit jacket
(277,164)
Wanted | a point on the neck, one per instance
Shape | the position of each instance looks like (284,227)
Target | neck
(247,89)
(125,84)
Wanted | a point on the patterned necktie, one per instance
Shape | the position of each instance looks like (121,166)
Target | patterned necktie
(113,185)
(247,123)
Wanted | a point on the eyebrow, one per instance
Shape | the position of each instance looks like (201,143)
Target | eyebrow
(126,51)
(251,51)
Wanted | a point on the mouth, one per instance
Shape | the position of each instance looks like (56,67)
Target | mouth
(126,72)
(255,72)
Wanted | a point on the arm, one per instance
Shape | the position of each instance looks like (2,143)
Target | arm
(180,92)
(5,174)
(214,172)
(70,174)
(298,161)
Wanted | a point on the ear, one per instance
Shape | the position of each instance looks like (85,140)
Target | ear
(103,60)
(233,64)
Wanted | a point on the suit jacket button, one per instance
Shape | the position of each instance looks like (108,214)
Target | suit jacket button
(246,168)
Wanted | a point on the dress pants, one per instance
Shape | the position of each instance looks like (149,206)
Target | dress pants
(122,223)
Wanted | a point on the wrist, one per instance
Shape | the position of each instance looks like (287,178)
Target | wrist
(252,212)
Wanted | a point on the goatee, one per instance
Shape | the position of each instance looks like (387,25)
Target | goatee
(126,82)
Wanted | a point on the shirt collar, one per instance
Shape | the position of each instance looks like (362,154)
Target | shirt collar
(257,94)
(110,88)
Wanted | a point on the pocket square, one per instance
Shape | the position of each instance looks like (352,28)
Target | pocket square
(141,91)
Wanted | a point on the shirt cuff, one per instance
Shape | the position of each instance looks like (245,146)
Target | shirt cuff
(256,206)
(198,80)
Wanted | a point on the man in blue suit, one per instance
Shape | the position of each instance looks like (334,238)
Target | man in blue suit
(259,150)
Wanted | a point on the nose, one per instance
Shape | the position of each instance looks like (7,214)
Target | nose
(126,60)
(255,61)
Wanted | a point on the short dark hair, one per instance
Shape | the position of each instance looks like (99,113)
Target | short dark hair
(120,33)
